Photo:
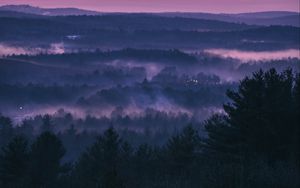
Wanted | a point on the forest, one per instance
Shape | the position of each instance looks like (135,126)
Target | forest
(254,143)
(148,99)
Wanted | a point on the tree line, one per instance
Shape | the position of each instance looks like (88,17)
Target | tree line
(253,144)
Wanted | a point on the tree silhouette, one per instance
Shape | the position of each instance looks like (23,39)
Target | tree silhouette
(260,119)
(47,123)
(182,151)
(222,137)
(6,130)
(99,165)
(45,161)
(14,163)
(295,137)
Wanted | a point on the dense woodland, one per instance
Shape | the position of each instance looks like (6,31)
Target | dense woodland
(162,100)
(144,31)
(253,143)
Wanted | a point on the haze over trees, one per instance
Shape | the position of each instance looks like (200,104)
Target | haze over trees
(254,143)
(170,100)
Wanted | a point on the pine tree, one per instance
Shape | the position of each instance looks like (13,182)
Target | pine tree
(99,165)
(182,149)
(45,161)
(295,136)
(6,130)
(47,124)
(259,121)
(14,163)
(222,138)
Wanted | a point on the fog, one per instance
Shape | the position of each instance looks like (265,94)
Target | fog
(128,81)
(53,48)
(9,50)
(130,66)
(245,56)
(151,68)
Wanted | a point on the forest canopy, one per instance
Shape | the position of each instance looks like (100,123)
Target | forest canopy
(253,143)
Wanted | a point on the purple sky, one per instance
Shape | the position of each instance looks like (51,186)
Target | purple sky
(219,6)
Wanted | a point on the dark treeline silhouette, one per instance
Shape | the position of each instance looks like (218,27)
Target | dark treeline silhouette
(134,21)
(90,67)
(140,30)
(189,92)
(257,18)
(39,93)
(126,66)
(255,143)
(142,55)
(99,92)
(263,118)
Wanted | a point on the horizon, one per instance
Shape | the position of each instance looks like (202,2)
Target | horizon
(225,7)
(205,12)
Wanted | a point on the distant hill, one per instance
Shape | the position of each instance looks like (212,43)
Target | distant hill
(119,22)
(47,11)
(13,14)
(292,20)
(268,14)
(257,18)
(152,30)
(252,18)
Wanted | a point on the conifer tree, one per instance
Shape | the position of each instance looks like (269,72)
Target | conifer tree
(14,163)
